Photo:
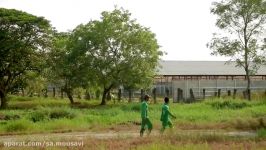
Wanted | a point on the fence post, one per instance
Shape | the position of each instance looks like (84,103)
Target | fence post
(141,95)
(108,97)
(119,94)
(181,95)
(234,94)
(178,95)
(204,93)
(192,97)
(248,94)
(167,91)
(229,93)
(245,94)
(62,93)
(154,94)
(219,93)
(129,95)
(53,92)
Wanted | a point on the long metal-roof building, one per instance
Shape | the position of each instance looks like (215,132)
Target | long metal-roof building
(208,75)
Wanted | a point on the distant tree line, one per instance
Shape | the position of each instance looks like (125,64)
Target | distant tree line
(102,54)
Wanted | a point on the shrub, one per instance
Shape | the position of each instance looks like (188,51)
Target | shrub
(262,133)
(241,124)
(9,117)
(62,113)
(254,123)
(38,116)
(12,117)
(228,105)
(20,125)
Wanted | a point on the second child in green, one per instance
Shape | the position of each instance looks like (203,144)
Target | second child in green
(165,115)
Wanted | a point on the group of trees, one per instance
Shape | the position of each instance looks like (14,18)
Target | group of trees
(115,50)
(24,41)
(244,36)
(107,53)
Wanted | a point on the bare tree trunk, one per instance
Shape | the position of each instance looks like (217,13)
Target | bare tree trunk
(248,83)
(204,93)
(87,95)
(54,92)
(105,91)
(69,92)
(62,93)
(129,95)
(70,95)
(246,61)
(104,97)
(3,100)
(248,89)
(23,92)
(119,95)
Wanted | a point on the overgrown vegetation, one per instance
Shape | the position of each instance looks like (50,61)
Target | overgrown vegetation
(33,115)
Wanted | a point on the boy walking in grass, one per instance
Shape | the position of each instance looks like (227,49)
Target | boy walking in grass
(145,121)
(165,115)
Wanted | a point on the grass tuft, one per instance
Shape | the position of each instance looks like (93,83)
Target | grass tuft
(18,125)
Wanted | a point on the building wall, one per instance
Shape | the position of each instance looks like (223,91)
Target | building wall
(211,84)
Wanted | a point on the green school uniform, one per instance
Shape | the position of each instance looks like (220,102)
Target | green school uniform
(145,121)
(165,117)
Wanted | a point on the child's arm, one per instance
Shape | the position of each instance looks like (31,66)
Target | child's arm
(171,114)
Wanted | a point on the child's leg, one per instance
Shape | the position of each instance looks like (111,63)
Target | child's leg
(164,124)
(170,124)
(143,124)
(149,124)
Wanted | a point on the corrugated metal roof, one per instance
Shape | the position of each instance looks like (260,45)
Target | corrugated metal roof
(203,68)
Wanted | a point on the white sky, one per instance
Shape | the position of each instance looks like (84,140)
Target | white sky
(182,27)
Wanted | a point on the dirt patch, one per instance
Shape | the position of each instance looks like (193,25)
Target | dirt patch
(122,140)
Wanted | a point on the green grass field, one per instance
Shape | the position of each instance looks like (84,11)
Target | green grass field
(37,115)
(28,115)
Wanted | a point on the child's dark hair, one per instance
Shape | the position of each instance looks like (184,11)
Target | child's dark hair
(166,99)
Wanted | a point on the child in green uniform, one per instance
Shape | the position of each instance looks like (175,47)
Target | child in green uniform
(145,121)
(165,115)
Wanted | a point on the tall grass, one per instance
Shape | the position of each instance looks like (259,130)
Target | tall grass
(262,133)
(57,115)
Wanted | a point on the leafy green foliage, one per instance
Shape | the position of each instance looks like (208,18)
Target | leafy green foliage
(23,40)
(243,23)
(117,50)
(66,66)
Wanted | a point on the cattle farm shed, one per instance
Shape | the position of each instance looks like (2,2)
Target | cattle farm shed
(204,78)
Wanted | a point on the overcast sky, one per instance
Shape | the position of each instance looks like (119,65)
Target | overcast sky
(182,27)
